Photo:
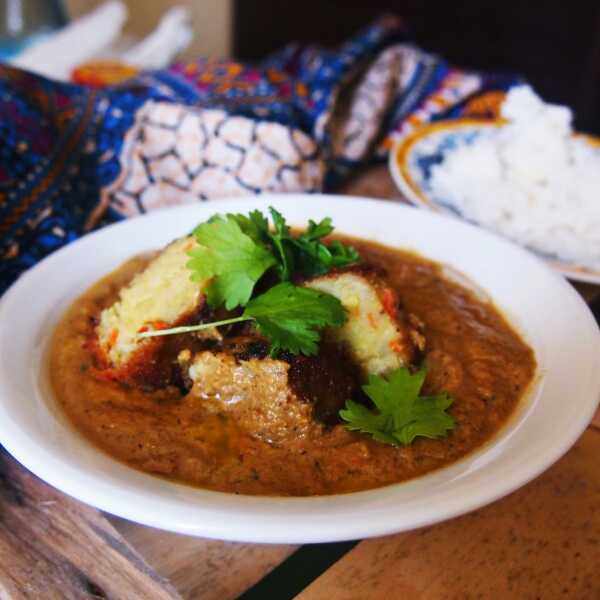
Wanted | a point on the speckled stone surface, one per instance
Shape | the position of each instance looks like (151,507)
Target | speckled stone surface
(541,542)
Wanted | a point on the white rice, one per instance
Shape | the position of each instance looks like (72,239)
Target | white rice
(530,180)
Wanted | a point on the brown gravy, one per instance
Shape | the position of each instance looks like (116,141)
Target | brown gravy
(472,353)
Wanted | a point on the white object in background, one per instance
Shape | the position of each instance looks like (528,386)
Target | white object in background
(172,35)
(81,40)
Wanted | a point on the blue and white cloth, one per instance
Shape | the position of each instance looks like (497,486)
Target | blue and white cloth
(73,158)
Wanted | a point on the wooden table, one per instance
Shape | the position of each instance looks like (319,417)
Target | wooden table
(542,541)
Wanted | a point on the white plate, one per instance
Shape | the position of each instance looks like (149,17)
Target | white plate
(410,163)
(548,312)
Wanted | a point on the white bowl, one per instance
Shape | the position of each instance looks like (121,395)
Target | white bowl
(412,158)
(540,304)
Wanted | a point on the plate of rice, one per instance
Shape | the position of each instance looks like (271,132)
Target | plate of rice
(526,176)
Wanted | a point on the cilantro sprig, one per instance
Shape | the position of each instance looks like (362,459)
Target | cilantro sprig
(289,316)
(235,252)
(313,257)
(401,413)
(292,316)
(305,254)
(232,258)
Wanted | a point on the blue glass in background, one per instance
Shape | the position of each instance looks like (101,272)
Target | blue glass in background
(25,21)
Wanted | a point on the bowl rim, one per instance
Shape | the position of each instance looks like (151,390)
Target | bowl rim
(276,519)
(398,166)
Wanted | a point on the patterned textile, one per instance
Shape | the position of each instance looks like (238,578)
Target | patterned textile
(73,158)
(175,154)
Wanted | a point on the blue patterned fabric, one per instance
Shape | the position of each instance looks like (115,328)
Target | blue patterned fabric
(65,149)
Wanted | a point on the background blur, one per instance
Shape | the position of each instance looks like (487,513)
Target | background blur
(211,19)
(555,44)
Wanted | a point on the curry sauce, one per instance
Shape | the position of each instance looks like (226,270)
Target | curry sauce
(471,352)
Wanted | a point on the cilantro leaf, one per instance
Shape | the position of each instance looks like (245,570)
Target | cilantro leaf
(280,239)
(255,225)
(360,418)
(342,255)
(315,257)
(400,414)
(279,223)
(306,253)
(316,231)
(290,317)
(293,255)
(234,259)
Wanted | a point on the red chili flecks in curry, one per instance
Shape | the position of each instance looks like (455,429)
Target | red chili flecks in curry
(390,302)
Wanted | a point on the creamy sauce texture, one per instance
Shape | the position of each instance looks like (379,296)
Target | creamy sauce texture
(471,352)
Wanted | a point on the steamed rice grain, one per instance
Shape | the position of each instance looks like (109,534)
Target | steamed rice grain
(530,180)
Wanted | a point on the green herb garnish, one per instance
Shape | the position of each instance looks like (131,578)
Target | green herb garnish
(315,258)
(305,254)
(288,316)
(400,414)
(291,317)
(235,251)
(232,258)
